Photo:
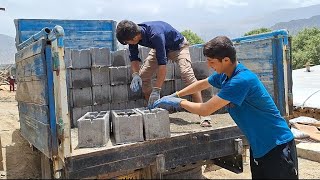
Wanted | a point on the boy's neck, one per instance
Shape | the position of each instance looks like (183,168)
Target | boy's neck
(230,71)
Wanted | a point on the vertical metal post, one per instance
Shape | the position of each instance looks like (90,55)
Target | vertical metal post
(160,166)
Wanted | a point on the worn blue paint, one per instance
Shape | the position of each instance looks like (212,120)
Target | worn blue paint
(282,33)
(92,31)
(29,51)
(34,111)
(278,50)
(41,34)
(60,42)
(52,115)
(39,66)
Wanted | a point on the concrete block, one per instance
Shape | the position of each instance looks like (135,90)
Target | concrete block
(100,57)
(80,59)
(101,94)
(118,75)
(119,93)
(134,95)
(202,57)
(168,88)
(170,71)
(100,75)
(201,70)
(78,112)
(67,57)
(177,72)
(118,105)
(156,123)
(80,78)
(136,104)
(82,97)
(93,129)
(127,126)
(143,52)
(101,107)
(195,53)
(120,58)
(309,151)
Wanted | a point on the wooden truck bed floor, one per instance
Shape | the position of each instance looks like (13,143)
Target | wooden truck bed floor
(180,123)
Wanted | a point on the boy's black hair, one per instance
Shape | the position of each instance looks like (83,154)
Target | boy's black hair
(126,30)
(219,48)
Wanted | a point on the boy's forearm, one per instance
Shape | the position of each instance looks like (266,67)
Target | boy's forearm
(161,76)
(194,87)
(135,66)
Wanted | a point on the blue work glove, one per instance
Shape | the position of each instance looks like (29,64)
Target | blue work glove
(154,96)
(136,82)
(168,101)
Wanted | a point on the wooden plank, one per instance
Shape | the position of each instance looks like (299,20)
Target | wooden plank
(37,112)
(180,155)
(262,50)
(33,49)
(33,92)
(37,133)
(46,167)
(61,102)
(1,158)
(188,144)
(310,130)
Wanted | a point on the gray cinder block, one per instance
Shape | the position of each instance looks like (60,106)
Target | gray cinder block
(100,57)
(120,58)
(80,78)
(100,75)
(118,75)
(67,57)
(195,53)
(170,71)
(78,112)
(119,93)
(93,129)
(118,105)
(136,104)
(101,107)
(201,70)
(168,88)
(134,95)
(101,94)
(177,72)
(127,126)
(80,59)
(82,97)
(156,123)
(143,53)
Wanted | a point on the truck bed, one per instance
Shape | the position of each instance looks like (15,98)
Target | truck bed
(180,123)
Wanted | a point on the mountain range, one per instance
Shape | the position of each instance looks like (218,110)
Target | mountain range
(293,20)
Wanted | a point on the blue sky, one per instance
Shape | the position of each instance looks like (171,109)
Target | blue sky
(182,14)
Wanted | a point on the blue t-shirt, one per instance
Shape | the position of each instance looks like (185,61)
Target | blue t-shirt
(160,36)
(253,110)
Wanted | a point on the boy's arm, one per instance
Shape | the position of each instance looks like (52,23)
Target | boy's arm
(205,109)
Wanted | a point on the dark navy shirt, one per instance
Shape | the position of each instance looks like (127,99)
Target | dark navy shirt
(253,109)
(160,36)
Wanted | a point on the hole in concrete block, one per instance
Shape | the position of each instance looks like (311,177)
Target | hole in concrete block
(126,113)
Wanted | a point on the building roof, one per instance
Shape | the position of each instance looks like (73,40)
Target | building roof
(306,87)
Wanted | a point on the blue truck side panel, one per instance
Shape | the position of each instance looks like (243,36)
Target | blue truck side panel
(264,55)
(79,34)
(33,97)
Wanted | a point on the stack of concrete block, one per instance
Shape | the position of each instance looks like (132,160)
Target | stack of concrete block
(79,82)
(101,61)
(120,58)
(127,126)
(94,129)
(156,123)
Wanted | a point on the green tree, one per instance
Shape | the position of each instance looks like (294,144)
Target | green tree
(258,31)
(306,48)
(192,37)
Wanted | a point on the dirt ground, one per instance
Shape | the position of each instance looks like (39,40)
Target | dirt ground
(21,162)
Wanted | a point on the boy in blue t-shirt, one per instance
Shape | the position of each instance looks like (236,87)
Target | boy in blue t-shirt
(272,146)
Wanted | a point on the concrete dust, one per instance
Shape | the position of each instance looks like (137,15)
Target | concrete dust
(20,162)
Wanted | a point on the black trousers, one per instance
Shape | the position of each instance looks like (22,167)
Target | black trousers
(279,163)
